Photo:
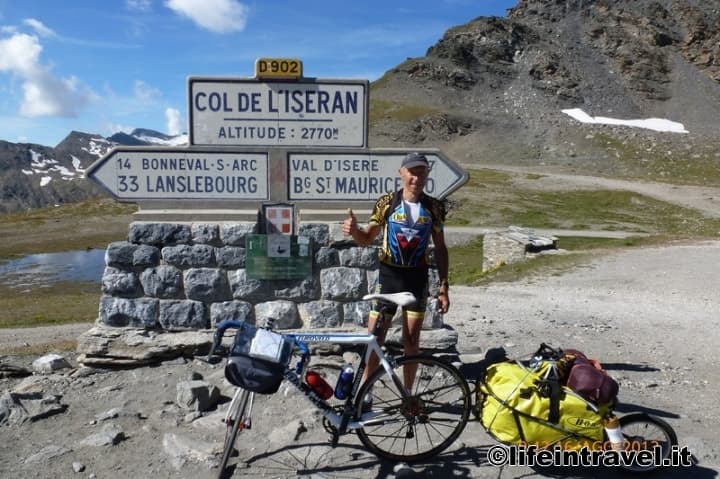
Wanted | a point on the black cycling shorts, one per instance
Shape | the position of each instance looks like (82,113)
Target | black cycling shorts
(396,280)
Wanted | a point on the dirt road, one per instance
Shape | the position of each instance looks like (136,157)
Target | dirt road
(705,199)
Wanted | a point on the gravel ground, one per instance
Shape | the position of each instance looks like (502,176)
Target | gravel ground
(650,315)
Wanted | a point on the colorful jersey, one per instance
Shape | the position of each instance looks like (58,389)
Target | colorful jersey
(404,243)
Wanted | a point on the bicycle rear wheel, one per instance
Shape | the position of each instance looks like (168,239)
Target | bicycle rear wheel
(235,420)
(422,425)
(647,433)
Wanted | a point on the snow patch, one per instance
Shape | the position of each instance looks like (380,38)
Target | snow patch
(63,171)
(77,164)
(45,180)
(98,147)
(656,124)
(37,161)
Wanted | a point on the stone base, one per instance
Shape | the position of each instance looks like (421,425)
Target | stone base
(104,346)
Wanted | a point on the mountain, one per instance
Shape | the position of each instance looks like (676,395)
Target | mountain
(494,90)
(143,136)
(500,91)
(34,176)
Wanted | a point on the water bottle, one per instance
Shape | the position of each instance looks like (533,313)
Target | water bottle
(318,384)
(344,382)
(614,432)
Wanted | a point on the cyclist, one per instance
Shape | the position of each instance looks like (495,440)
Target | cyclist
(408,219)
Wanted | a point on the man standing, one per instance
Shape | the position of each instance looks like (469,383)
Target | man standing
(408,219)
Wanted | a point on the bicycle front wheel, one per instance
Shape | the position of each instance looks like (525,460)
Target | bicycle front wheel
(421,425)
(643,432)
(235,420)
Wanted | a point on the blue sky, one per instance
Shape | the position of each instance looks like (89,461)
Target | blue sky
(115,65)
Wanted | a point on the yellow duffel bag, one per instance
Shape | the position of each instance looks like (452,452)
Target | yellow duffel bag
(523,406)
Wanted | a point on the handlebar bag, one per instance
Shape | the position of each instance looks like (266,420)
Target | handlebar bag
(254,374)
(258,359)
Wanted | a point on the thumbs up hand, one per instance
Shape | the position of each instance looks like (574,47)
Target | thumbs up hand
(349,226)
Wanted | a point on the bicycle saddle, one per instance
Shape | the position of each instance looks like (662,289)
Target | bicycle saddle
(401,299)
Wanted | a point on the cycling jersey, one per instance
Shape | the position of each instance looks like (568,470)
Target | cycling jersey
(405,243)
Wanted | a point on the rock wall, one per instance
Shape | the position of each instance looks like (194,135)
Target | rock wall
(514,245)
(188,276)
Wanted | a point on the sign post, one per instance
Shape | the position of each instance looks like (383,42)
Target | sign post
(276,138)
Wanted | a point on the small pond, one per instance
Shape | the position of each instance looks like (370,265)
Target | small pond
(44,268)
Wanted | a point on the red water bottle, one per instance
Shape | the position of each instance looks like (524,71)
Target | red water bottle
(318,384)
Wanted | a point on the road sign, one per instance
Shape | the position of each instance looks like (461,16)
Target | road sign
(307,112)
(278,68)
(136,174)
(363,175)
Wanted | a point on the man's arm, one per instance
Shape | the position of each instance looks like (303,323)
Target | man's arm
(361,236)
(442,261)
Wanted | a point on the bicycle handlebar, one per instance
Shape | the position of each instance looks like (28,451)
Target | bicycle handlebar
(223,326)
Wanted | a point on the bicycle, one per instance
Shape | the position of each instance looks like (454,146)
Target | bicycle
(391,421)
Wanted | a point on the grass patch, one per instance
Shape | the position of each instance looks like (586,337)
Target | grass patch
(42,348)
(491,199)
(75,226)
(661,162)
(383,109)
(56,303)
(466,262)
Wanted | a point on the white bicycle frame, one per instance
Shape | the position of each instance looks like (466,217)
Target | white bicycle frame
(369,340)
(354,339)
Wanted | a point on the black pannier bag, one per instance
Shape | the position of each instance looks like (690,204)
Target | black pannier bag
(257,360)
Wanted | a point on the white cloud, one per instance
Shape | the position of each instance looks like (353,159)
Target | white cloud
(219,16)
(110,128)
(172,116)
(43,93)
(139,5)
(20,54)
(146,93)
(39,27)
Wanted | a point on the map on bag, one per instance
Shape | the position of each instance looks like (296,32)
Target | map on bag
(267,345)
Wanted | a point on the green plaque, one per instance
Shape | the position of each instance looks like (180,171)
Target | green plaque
(278,256)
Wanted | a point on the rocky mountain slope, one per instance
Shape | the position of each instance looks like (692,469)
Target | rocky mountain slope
(493,91)
(33,176)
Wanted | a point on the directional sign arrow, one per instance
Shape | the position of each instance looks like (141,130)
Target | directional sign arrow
(176,173)
(364,175)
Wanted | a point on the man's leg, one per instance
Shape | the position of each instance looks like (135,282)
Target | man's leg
(412,325)
(373,361)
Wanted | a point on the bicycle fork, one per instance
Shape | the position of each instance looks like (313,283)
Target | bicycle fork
(235,409)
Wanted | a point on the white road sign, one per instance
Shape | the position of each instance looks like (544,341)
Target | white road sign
(248,112)
(364,175)
(135,174)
